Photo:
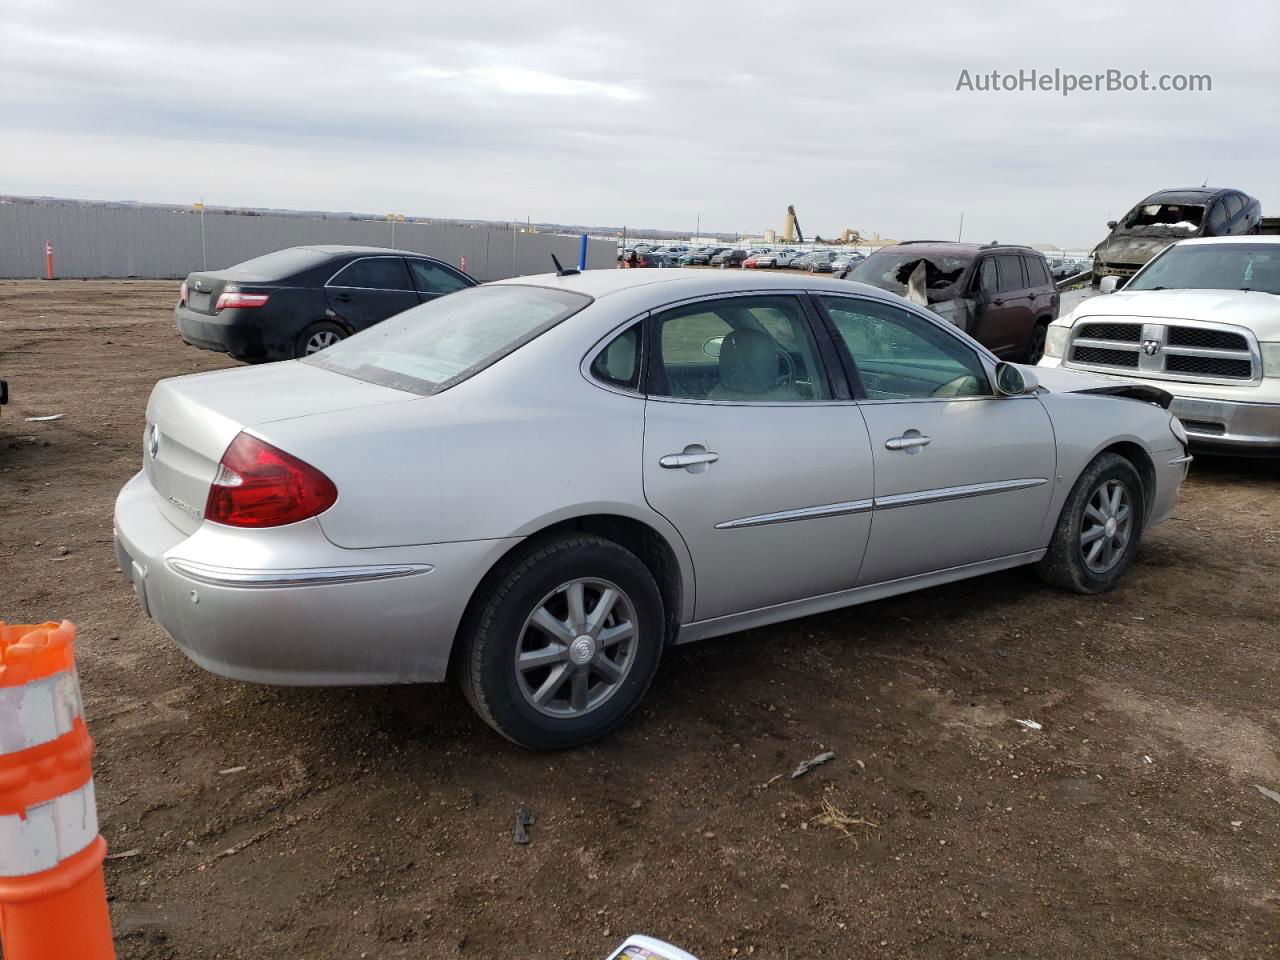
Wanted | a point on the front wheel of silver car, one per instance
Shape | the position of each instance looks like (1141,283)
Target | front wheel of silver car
(1098,530)
(563,642)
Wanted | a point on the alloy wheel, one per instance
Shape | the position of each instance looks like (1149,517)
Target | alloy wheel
(576,648)
(1107,526)
(321,339)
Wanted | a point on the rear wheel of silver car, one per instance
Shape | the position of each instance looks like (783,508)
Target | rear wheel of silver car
(1099,528)
(317,337)
(564,643)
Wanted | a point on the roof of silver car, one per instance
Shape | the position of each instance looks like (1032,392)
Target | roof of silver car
(693,282)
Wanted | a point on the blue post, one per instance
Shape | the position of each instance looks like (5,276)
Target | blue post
(582,254)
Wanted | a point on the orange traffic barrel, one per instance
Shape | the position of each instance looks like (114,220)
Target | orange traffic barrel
(53,902)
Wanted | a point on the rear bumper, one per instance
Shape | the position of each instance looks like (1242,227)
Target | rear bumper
(285,606)
(229,331)
(1226,426)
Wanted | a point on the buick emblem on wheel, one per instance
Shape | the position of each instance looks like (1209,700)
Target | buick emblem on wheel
(1150,347)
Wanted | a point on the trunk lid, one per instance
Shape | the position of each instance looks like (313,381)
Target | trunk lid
(191,420)
(203,290)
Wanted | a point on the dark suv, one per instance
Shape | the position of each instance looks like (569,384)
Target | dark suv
(999,294)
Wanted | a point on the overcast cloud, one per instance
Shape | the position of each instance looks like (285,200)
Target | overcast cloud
(646,114)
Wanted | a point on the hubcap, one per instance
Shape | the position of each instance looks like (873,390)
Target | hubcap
(321,339)
(1106,527)
(576,648)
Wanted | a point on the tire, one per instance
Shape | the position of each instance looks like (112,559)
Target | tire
(1071,563)
(541,583)
(1035,344)
(311,340)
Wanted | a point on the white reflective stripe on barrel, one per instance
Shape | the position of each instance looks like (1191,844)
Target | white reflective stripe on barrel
(48,834)
(39,711)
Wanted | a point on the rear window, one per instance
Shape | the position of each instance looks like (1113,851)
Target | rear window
(281,264)
(434,346)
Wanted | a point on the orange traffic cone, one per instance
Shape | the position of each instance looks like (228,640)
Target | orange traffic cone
(53,903)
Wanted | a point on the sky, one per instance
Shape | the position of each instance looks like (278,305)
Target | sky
(657,114)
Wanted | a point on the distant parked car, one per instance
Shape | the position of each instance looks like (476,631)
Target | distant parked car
(999,294)
(300,300)
(730,258)
(1168,216)
(700,256)
(654,258)
(846,261)
(819,261)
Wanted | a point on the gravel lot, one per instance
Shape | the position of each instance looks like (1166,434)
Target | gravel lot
(378,822)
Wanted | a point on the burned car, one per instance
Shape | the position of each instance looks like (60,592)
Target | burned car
(999,294)
(1168,216)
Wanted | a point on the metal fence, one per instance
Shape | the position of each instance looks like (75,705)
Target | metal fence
(102,241)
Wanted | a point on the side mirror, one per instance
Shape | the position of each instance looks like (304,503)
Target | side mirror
(712,347)
(1014,381)
(1111,224)
(1110,284)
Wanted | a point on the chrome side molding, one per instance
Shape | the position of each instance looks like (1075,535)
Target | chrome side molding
(802,513)
(297,577)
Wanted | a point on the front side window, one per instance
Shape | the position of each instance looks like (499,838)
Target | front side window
(373,273)
(432,278)
(901,356)
(988,282)
(1217,218)
(739,349)
(618,364)
(440,343)
(1010,272)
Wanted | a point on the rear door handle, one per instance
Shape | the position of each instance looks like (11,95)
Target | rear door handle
(677,461)
(342,297)
(910,443)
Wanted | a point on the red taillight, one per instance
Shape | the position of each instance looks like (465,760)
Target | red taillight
(182,293)
(259,485)
(236,299)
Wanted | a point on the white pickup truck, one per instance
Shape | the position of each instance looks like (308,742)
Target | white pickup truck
(1200,320)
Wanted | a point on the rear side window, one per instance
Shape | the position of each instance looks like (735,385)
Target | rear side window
(373,273)
(1009,269)
(433,278)
(1037,275)
(440,343)
(618,364)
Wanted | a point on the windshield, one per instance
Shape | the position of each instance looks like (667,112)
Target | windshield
(432,347)
(1218,266)
(1162,219)
(891,270)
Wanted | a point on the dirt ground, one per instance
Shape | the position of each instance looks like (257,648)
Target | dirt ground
(284,823)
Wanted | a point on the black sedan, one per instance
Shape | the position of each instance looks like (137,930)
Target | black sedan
(299,300)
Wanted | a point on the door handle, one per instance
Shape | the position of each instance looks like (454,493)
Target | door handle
(342,297)
(675,461)
(910,443)
(997,302)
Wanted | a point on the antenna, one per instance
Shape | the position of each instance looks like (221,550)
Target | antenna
(1206,181)
(561,271)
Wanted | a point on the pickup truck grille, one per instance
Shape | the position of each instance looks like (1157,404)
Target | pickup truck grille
(1213,352)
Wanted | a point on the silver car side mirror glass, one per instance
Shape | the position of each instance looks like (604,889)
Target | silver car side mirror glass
(712,347)
(1009,380)
(1109,284)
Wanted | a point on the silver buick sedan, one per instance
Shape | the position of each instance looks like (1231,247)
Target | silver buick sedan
(540,484)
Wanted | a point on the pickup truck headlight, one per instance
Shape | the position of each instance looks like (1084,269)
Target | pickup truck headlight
(1270,359)
(1055,343)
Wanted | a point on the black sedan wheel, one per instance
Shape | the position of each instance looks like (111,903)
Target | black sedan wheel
(317,337)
